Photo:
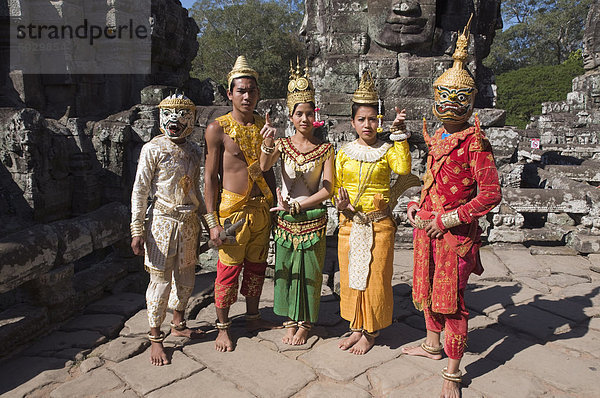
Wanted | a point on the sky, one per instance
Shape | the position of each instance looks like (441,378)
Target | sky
(187,3)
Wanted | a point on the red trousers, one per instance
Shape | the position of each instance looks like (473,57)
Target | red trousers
(455,325)
(226,284)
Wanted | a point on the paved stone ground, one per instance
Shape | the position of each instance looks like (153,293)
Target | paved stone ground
(534,331)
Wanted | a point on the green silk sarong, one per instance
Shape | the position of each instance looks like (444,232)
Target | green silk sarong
(299,258)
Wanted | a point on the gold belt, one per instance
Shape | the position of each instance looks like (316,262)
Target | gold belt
(175,214)
(302,227)
(365,218)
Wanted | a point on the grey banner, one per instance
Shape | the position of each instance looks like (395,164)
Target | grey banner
(80,36)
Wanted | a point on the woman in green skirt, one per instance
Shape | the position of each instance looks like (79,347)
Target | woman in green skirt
(307,181)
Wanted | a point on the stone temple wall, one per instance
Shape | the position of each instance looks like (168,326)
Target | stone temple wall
(68,152)
(174,47)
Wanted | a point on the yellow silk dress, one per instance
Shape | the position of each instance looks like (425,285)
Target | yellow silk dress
(365,171)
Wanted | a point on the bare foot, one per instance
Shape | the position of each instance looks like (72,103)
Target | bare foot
(450,389)
(158,356)
(256,324)
(187,332)
(289,335)
(418,351)
(363,345)
(300,336)
(350,341)
(223,342)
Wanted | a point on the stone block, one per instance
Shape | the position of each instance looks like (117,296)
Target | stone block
(108,224)
(121,304)
(20,323)
(124,348)
(58,341)
(521,263)
(24,375)
(340,65)
(144,377)
(212,385)
(93,384)
(401,87)
(489,299)
(395,375)
(489,117)
(248,365)
(493,268)
(344,43)
(348,22)
(584,244)
(90,364)
(535,200)
(381,67)
(25,255)
(533,321)
(330,361)
(56,286)
(107,324)
(541,362)
(333,390)
(497,381)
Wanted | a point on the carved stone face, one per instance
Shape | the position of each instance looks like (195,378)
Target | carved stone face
(591,39)
(402,25)
(591,52)
(177,123)
(453,106)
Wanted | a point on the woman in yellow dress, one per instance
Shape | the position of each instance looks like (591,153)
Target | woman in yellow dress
(366,235)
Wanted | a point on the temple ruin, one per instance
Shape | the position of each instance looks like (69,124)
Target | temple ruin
(69,144)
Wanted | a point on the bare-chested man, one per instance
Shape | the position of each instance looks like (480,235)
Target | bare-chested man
(233,144)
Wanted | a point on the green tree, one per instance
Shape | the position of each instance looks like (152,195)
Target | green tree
(522,91)
(541,32)
(266,32)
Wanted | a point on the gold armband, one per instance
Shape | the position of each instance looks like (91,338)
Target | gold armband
(211,219)
(450,219)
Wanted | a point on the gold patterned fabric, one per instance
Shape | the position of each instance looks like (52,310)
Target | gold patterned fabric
(249,140)
(171,288)
(169,173)
(354,160)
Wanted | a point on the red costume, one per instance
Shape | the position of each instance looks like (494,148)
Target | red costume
(461,182)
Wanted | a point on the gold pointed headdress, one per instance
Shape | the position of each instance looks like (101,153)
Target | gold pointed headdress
(241,69)
(366,93)
(177,101)
(300,88)
(458,76)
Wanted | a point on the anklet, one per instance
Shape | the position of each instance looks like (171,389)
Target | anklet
(305,325)
(431,349)
(253,317)
(455,377)
(223,325)
(371,334)
(180,326)
(157,339)
(359,330)
(290,324)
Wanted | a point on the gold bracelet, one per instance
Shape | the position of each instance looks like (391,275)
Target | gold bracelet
(450,219)
(211,219)
(295,207)
(137,228)
(267,150)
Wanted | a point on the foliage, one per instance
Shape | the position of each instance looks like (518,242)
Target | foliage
(522,91)
(542,32)
(266,32)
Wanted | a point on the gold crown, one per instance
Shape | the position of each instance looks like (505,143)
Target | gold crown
(458,76)
(177,101)
(366,93)
(241,69)
(300,88)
